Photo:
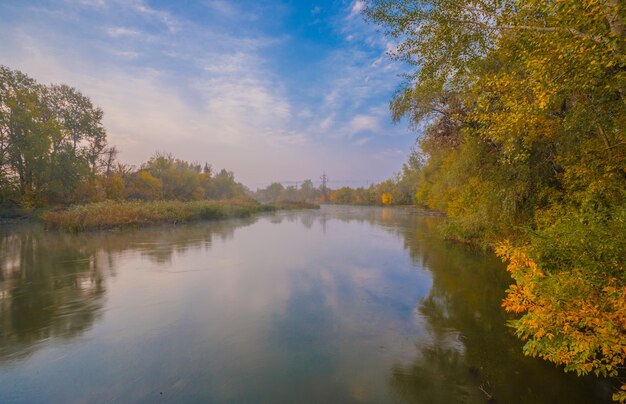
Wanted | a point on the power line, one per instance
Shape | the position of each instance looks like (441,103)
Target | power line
(324,179)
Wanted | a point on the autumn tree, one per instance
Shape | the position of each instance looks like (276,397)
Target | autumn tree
(525,140)
(144,186)
(225,186)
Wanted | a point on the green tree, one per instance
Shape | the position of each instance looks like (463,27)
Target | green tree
(80,122)
(181,180)
(26,127)
(274,191)
(51,141)
(224,185)
(307,191)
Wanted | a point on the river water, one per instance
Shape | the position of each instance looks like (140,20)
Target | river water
(341,304)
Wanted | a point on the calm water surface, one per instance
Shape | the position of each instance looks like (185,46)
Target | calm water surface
(337,305)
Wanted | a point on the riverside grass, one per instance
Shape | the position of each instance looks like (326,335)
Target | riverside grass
(112,215)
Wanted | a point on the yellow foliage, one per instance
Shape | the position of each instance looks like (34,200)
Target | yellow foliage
(145,186)
(114,187)
(567,318)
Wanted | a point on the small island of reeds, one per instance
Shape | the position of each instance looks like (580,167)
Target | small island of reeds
(113,215)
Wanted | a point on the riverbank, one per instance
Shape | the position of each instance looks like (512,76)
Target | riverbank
(111,214)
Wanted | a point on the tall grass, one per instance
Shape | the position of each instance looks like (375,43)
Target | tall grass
(291,205)
(110,214)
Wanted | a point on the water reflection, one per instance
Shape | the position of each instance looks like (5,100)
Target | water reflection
(337,305)
(468,354)
(40,299)
(53,285)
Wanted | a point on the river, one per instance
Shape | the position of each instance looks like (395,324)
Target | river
(341,304)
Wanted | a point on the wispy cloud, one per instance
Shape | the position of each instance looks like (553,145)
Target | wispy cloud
(164,17)
(129,55)
(291,138)
(116,32)
(91,3)
(362,123)
(327,122)
(226,8)
(357,7)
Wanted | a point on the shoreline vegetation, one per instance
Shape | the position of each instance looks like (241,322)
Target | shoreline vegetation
(113,215)
(116,215)
(521,110)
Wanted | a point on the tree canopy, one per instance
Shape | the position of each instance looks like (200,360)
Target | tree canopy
(51,141)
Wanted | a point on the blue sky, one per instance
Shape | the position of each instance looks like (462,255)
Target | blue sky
(272,90)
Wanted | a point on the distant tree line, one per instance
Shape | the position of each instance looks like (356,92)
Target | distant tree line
(400,189)
(277,192)
(395,191)
(54,152)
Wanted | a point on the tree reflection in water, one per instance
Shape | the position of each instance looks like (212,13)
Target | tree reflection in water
(53,285)
(469,355)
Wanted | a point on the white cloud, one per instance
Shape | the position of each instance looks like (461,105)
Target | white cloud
(117,32)
(93,3)
(222,64)
(290,138)
(361,123)
(327,122)
(164,17)
(240,109)
(331,98)
(356,8)
(129,55)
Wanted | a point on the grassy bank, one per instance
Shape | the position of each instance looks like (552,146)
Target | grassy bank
(109,214)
